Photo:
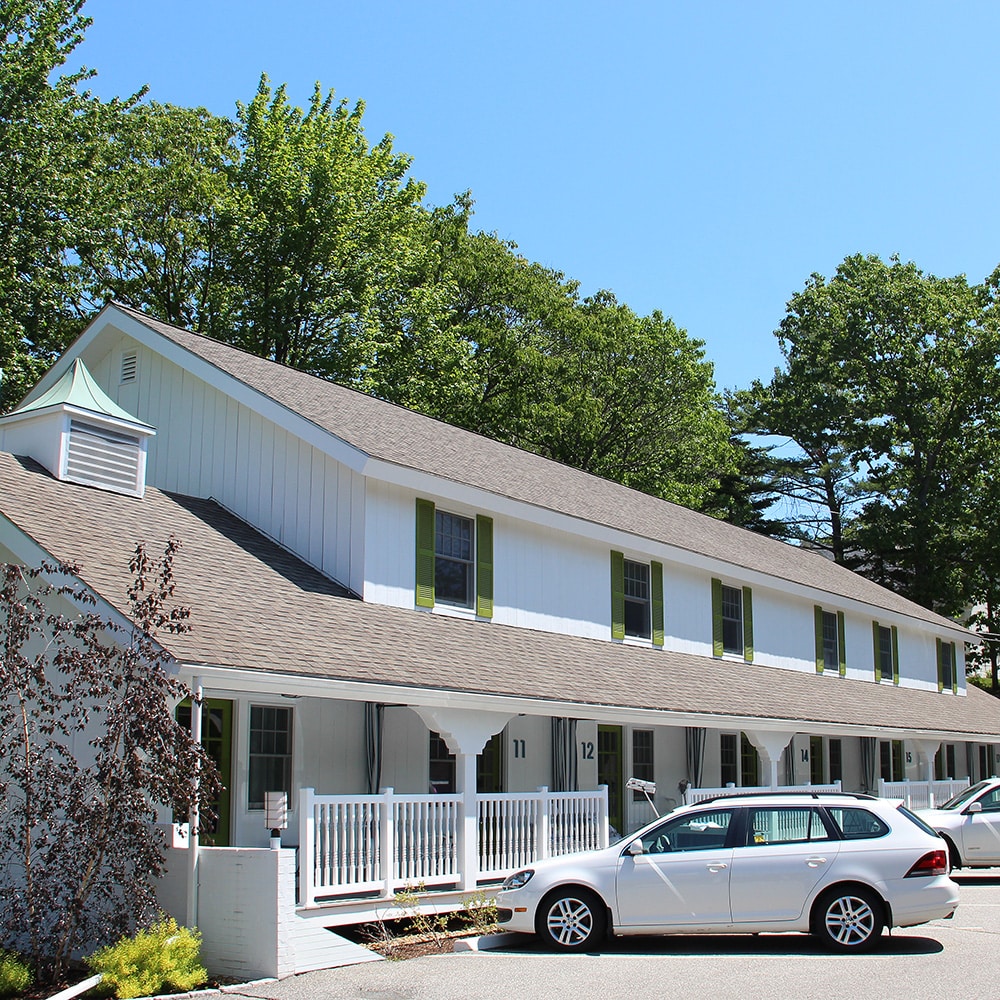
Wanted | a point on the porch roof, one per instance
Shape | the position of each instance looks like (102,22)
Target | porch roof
(404,438)
(254,606)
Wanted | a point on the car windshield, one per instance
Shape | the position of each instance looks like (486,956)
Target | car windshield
(965,796)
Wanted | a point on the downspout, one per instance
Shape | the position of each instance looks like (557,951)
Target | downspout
(194,818)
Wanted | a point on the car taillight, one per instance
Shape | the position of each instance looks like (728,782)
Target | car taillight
(932,863)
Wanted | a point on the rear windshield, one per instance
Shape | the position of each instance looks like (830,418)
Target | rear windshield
(914,818)
(857,824)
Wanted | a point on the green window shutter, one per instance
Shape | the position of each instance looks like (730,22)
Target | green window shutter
(818,616)
(954,669)
(425,554)
(895,655)
(656,601)
(747,625)
(484,566)
(841,645)
(875,646)
(717,649)
(617,595)
(940,671)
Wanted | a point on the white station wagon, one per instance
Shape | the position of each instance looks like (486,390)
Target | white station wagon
(839,866)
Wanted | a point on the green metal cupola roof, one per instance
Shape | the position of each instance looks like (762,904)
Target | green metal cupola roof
(77,389)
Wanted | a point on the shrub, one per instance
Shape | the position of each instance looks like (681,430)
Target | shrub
(15,976)
(163,958)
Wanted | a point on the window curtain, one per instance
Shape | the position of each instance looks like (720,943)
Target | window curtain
(374,716)
(564,770)
(869,763)
(694,751)
(789,757)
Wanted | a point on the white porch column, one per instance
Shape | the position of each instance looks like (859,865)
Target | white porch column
(465,732)
(194,818)
(770,746)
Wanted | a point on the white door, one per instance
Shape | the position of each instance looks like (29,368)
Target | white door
(788,851)
(682,876)
(981,831)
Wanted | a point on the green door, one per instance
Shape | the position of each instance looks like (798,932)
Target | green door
(217,739)
(609,772)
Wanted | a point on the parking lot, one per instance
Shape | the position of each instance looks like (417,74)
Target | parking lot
(958,958)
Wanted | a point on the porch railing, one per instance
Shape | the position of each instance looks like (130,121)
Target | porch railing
(517,827)
(693,795)
(921,794)
(351,844)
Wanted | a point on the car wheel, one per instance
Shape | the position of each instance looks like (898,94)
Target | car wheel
(849,918)
(571,920)
(954,858)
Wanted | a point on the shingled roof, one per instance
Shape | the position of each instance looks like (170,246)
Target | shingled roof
(226,572)
(411,440)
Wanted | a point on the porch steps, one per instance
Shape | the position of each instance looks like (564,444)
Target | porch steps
(317,947)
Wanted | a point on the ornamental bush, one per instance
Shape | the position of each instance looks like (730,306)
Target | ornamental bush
(162,959)
(15,976)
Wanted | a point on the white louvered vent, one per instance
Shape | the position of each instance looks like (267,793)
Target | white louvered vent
(130,366)
(99,456)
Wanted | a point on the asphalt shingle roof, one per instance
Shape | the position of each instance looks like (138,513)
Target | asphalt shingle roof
(254,606)
(402,437)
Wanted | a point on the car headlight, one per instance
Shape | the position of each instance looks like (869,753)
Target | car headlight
(519,879)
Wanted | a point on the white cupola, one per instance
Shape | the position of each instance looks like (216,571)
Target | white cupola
(80,435)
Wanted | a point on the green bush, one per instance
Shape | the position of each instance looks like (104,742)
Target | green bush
(162,959)
(15,976)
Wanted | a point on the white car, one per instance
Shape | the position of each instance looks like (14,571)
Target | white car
(970,823)
(839,866)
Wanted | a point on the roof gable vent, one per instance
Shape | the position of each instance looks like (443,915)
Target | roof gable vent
(130,367)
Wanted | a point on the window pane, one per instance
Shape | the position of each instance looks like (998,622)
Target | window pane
(727,750)
(637,600)
(858,824)
(732,619)
(453,559)
(831,655)
(642,759)
(702,831)
(785,825)
(885,652)
(270,764)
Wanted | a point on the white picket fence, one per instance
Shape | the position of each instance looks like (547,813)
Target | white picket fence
(921,794)
(354,844)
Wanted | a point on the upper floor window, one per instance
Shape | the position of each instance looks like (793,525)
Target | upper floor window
(636,599)
(947,675)
(885,642)
(454,562)
(732,620)
(830,641)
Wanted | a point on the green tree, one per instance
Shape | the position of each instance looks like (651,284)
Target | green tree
(321,225)
(894,373)
(164,188)
(48,149)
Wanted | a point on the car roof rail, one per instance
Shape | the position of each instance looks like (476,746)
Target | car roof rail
(792,793)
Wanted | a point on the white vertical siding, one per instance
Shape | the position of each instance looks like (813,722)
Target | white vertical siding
(209,445)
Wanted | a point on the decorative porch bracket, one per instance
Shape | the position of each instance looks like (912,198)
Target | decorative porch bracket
(926,751)
(465,732)
(770,746)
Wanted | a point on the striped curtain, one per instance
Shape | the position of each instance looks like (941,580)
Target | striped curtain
(374,715)
(694,752)
(564,772)
(869,763)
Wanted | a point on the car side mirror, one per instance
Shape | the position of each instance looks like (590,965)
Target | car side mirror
(636,847)
(974,807)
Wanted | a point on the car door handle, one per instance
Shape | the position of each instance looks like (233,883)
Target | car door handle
(815,862)
(716,866)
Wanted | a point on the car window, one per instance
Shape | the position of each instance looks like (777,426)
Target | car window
(991,801)
(964,796)
(699,831)
(857,824)
(785,825)
(914,818)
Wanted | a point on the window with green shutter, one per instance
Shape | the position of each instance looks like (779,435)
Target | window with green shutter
(732,620)
(454,563)
(829,627)
(947,675)
(885,648)
(636,599)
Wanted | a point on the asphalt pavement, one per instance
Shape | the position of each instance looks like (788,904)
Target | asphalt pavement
(957,959)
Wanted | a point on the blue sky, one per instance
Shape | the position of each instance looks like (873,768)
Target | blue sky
(698,158)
